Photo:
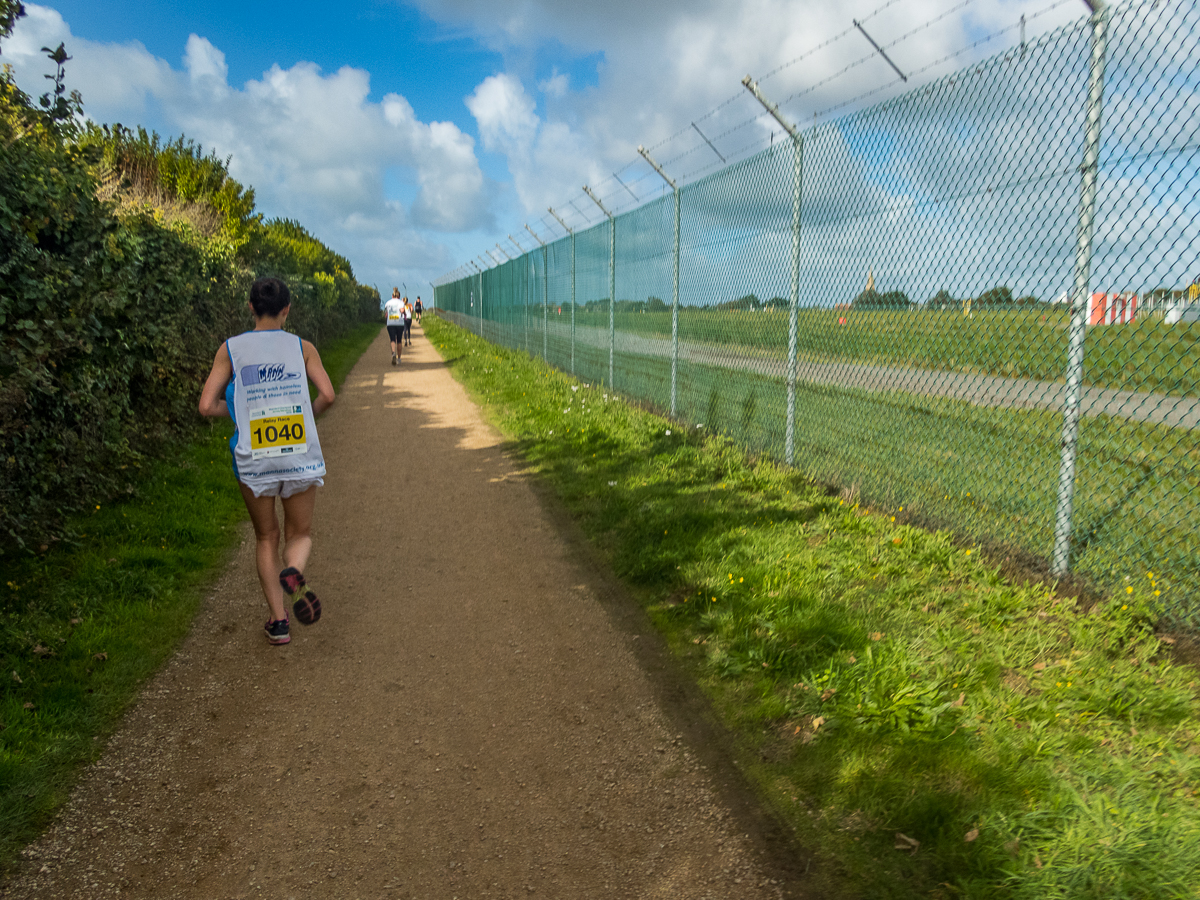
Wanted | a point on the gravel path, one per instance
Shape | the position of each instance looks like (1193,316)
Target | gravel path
(480,713)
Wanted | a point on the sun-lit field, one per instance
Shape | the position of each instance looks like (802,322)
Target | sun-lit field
(1145,355)
(985,471)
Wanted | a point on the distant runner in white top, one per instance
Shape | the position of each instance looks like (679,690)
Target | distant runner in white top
(394,311)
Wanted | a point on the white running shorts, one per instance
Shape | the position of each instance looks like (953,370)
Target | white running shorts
(284,489)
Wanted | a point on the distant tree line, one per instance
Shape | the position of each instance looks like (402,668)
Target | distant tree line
(996,298)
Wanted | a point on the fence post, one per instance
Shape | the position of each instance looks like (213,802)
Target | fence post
(500,283)
(612,284)
(612,300)
(545,304)
(675,291)
(789,442)
(480,271)
(572,303)
(545,294)
(675,317)
(572,234)
(1073,389)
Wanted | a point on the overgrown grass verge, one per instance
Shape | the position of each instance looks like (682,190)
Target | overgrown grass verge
(934,730)
(83,626)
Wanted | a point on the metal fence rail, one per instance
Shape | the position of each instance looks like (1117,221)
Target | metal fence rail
(976,301)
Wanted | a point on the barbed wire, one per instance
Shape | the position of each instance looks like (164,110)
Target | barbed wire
(610,188)
(732,98)
(988,38)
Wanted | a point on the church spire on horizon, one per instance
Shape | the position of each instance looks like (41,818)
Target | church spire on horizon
(870,280)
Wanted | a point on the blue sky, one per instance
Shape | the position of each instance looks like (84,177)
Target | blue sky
(410,136)
(398,45)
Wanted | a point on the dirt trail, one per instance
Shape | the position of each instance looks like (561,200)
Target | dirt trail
(480,713)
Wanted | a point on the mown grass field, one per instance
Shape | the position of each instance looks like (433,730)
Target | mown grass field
(932,729)
(987,473)
(1143,356)
(84,624)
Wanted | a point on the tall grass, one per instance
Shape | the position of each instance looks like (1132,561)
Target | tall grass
(934,729)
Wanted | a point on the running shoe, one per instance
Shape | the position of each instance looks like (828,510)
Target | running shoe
(277,631)
(291,580)
(307,609)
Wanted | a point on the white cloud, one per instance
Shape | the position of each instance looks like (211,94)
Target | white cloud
(556,86)
(665,65)
(317,148)
(312,144)
(505,114)
(202,60)
(111,76)
(547,160)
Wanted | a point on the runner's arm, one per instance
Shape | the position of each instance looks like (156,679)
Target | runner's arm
(212,397)
(319,378)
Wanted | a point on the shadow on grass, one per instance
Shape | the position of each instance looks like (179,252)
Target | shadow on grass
(657,530)
(852,738)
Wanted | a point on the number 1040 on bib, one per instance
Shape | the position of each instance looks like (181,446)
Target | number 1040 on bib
(277,431)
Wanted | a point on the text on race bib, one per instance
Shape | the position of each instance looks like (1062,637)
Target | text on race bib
(277,431)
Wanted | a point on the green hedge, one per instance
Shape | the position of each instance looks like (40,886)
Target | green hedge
(111,310)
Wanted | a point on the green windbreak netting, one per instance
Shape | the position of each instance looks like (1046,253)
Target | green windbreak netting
(977,302)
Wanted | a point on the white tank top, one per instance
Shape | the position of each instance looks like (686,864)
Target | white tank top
(276,436)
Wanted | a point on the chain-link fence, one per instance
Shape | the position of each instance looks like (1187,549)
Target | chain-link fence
(975,301)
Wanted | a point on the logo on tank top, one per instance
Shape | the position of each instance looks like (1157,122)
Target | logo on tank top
(265,373)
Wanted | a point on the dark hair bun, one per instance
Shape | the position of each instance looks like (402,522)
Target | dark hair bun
(269,297)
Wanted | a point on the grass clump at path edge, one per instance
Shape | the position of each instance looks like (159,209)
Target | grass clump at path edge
(82,626)
(934,730)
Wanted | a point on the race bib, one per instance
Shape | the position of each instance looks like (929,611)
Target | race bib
(277,431)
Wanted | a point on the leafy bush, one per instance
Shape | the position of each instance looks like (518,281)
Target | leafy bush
(124,262)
